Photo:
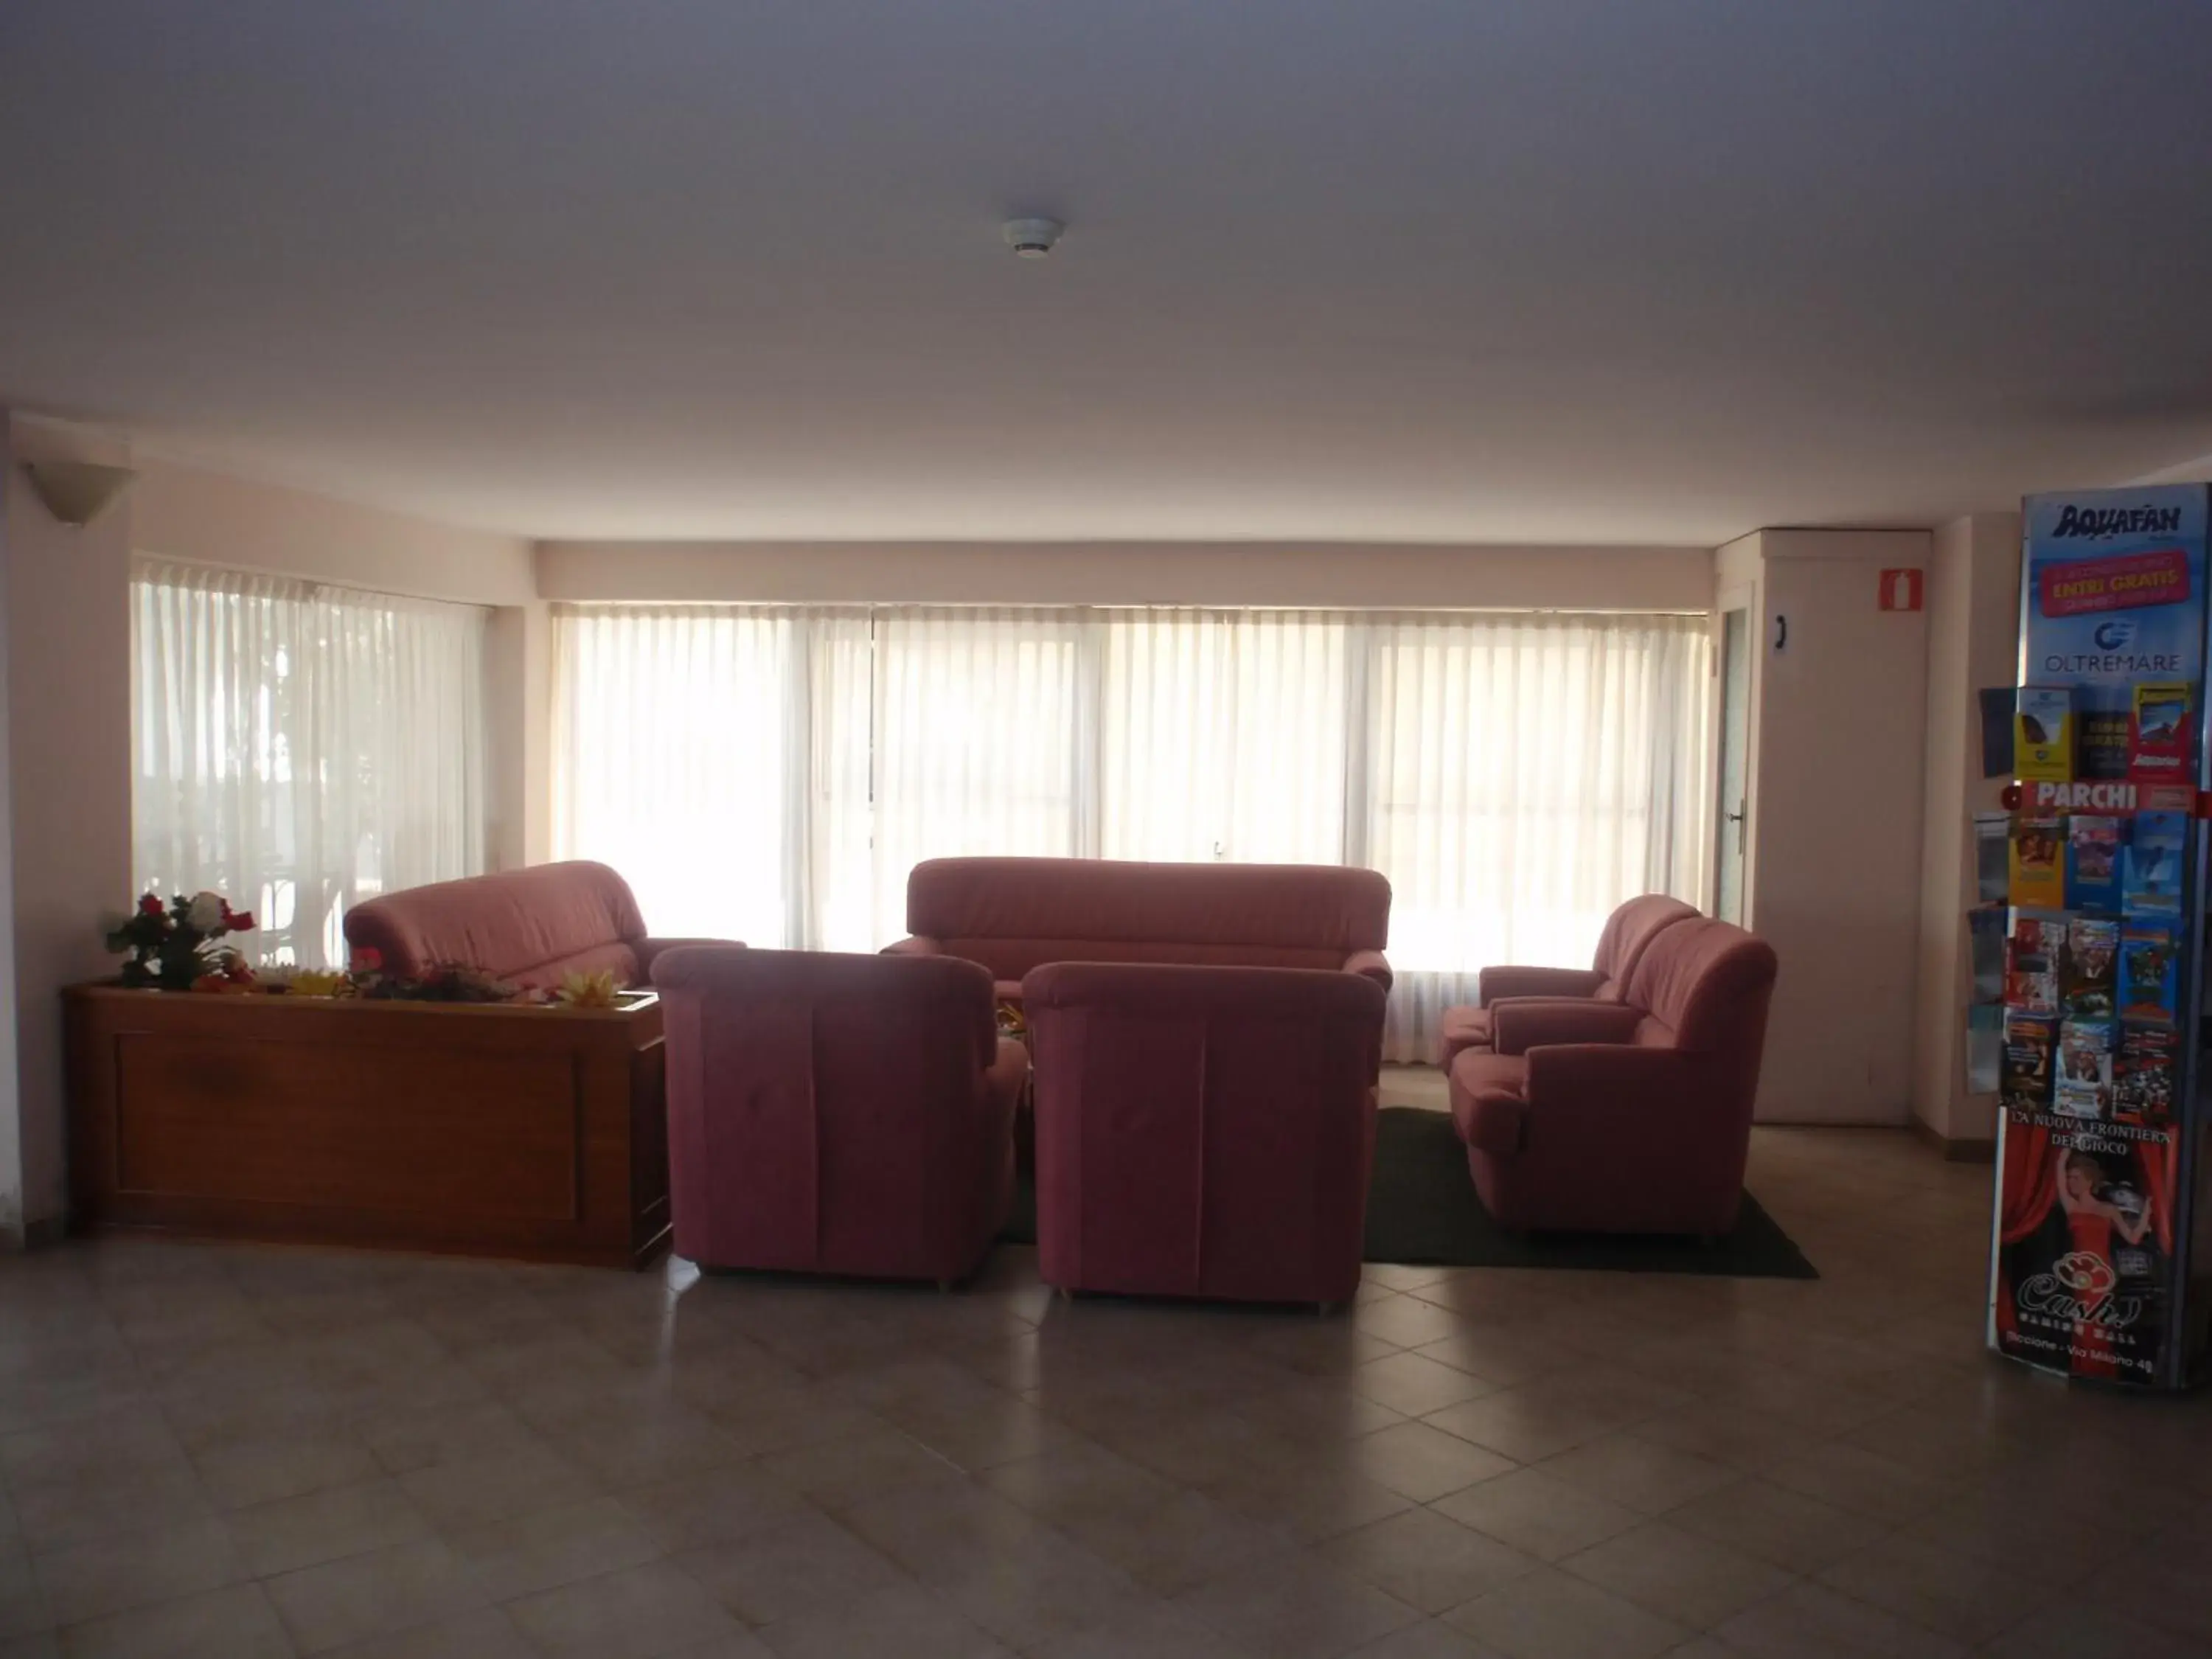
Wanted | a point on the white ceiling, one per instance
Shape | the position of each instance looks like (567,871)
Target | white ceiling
(1634,271)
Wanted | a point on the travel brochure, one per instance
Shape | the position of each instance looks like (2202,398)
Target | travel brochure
(2093,877)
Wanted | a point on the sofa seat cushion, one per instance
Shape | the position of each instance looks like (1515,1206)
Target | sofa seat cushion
(1489,1101)
(1462,1029)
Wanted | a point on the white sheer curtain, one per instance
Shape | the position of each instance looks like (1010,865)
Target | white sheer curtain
(773,775)
(1526,773)
(1224,735)
(297,748)
(677,744)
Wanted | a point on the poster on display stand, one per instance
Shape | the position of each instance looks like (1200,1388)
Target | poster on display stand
(2098,1156)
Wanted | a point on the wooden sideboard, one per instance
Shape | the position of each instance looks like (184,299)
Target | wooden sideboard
(528,1132)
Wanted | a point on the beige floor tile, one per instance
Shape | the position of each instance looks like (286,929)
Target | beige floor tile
(23,1610)
(640,1613)
(46,1644)
(1151,1631)
(1297,1607)
(717,1506)
(1538,1514)
(1678,1575)
(1414,1384)
(1311,1501)
(374,1595)
(1865,1483)
(1405,1321)
(256,1469)
(233,1623)
(838,1472)
(1784,1529)
(807,1564)
(1077,1481)
(1969,1600)
(1429,1639)
(1428,1561)
(2091,1632)
(546,1549)
(1527,1423)
(487,1634)
(137,1569)
(1319,1409)
(501,1483)
(56,1514)
(642,1449)
(404,1438)
(292,1533)
(1423,1463)
(1810,1621)
(1551,1615)
(1183,1541)
(902,1620)
(1639,1474)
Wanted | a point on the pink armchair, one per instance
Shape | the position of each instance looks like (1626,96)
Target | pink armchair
(531,926)
(836,1113)
(1631,1117)
(1203,1132)
(1628,932)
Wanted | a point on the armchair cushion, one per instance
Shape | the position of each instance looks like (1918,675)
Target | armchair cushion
(1489,1104)
(1527,1023)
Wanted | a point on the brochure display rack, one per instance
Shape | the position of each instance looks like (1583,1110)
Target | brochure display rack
(2099,1155)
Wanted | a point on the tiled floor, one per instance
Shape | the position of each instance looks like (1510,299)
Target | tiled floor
(234,1452)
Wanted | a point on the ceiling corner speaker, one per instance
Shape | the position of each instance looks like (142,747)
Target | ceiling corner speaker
(77,492)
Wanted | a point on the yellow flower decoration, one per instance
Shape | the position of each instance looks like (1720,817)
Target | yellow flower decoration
(597,990)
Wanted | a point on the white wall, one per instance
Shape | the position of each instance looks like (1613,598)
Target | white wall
(68,683)
(1228,573)
(1973,630)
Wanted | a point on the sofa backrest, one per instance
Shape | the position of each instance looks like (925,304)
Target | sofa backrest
(1704,985)
(818,1101)
(1628,932)
(1208,1130)
(531,927)
(1014,915)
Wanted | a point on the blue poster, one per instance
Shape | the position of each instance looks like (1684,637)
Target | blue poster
(2115,601)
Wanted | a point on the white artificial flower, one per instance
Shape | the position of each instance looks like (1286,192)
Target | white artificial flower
(205,912)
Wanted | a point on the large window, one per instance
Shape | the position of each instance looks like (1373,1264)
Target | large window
(300,748)
(773,774)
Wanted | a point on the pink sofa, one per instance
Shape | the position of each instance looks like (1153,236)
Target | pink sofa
(528,926)
(1203,1132)
(1014,914)
(836,1113)
(1631,1116)
(1628,930)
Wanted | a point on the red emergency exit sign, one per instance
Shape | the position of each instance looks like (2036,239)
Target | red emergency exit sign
(1901,590)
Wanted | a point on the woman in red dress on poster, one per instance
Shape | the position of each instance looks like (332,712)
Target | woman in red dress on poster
(2092,1221)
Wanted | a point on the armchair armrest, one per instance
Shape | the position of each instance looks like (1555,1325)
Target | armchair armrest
(920,945)
(1494,984)
(1370,964)
(648,949)
(1521,1024)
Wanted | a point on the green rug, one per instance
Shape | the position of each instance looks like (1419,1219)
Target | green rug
(1422,1211)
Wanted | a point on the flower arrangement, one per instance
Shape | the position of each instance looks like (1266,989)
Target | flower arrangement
(178,946)
(598,990)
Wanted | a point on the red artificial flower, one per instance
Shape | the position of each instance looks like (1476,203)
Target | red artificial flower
(151,905)
(239,921)
(367,959)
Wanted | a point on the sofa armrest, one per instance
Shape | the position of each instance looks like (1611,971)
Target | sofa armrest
(1370,964)
(1521,1024)
(921,944)
(1495,984)
(648,949)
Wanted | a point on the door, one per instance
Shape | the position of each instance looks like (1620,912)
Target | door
(1734,805)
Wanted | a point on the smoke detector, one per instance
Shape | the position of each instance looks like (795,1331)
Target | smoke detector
(1032,238)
